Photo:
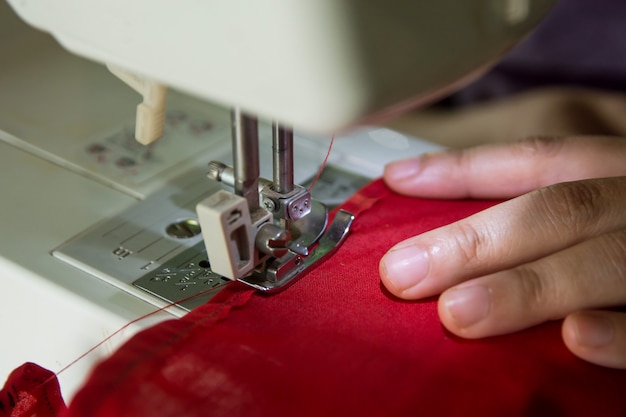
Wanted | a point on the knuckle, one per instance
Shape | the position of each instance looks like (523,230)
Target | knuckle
(473,245)
(615,247)
(540,146)
(539,293)
(463,162)
(465,159)
(572,207)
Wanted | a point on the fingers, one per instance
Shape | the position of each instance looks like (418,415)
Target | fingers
(598,337)
(589,275)
(512,233)
(507,170)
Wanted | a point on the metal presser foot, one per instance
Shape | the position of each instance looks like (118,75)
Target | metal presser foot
(266,234)
(285,270)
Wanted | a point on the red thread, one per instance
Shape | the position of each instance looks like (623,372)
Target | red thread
(112,335)
(319,173)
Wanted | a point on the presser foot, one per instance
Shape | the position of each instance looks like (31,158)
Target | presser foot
(279,273)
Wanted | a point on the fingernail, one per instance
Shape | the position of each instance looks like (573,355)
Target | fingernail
(593,331)
(467,305)
(403,169)
(405,266)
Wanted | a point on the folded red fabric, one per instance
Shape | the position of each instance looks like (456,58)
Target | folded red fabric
(337,343)
(31,391)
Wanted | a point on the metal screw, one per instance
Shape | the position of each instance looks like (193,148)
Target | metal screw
(269,204)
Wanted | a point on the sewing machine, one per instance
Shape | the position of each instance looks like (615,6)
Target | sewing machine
(99,229)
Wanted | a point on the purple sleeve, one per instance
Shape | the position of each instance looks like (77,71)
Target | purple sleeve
(581,43)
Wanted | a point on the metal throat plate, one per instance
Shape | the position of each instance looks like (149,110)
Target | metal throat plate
(134,251)
(186,279)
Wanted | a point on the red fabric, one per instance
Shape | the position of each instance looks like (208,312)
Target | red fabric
(337,344)
(31,391)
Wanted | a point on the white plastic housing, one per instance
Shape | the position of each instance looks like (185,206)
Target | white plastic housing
(230,238)
(318,65)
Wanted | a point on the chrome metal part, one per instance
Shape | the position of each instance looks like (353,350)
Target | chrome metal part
(285,271)
(183,229)
(283,245)
(225,174)
(307,230)
(217,173)
(272,240)
(187,279)
(292,206)
(245,137)
(282,154)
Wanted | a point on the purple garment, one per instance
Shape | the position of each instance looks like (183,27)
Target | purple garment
(581,43)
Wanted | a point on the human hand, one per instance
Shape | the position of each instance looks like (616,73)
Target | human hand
(556,251)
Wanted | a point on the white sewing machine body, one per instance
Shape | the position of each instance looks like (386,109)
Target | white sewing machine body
(67,152)
(86,212)
(318,65)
